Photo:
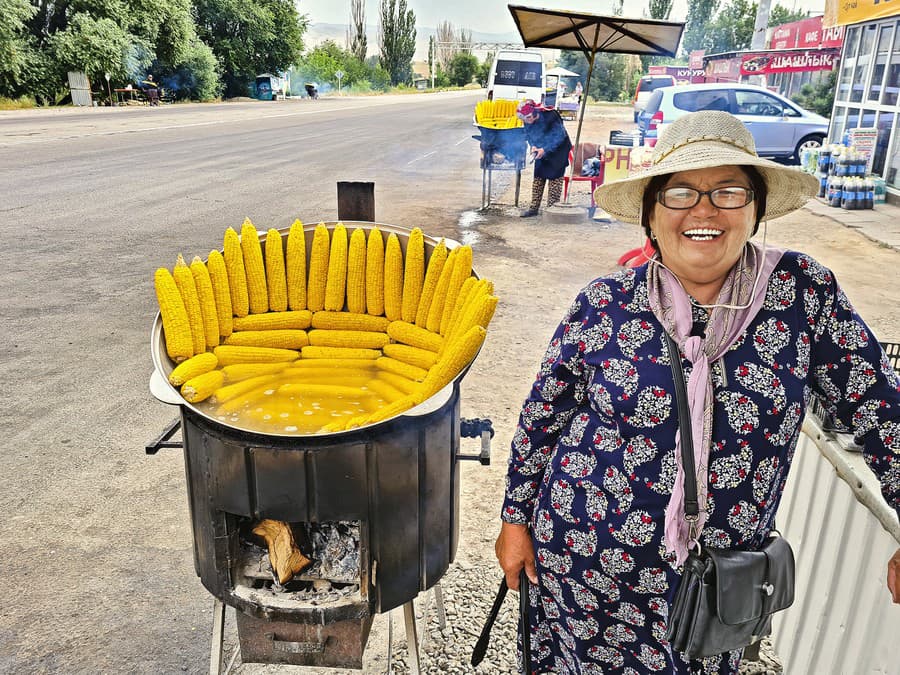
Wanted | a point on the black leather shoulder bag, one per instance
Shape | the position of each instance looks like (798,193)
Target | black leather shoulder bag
(726,597)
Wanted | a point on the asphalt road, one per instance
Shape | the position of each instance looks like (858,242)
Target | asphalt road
(96,569)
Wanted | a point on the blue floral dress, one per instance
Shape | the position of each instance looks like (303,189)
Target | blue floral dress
(592,463)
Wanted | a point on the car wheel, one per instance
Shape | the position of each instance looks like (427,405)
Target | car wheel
(808,143)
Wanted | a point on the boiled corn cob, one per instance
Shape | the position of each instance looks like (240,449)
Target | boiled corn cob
(413,275)
(188,289)
(207,297)
(275,276)
(175,321)
(469,297)
(347,338)
(408,334)
(237,277)
(329,375)
(194,366)
(311,389)
(201,387)
(479,313)
(314,352)
(453,361)
(462,270)
(436,310)
(231,391)
(421,358)
(281,339)
(295,267)
(242,371)
(435,266)
(218,275)
(349,321)
(318,269)
(375,273)
(391,410)
(356,272)
(461,300)
(293,319)
(336,281)
(254,268)
(385,390)
(230,354)
(317,363)
(400,368)
(401,382)
(393,278)
(250,395)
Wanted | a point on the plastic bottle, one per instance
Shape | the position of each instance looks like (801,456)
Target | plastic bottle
(823,185)
(832,159)
(824,159)
(870,193)
(835,190)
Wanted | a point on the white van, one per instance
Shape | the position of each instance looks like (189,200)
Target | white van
(516,75)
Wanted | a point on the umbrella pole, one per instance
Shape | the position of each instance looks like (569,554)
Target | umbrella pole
(584,97)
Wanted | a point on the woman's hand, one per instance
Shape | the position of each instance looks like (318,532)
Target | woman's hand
(538,152)
(515,550)
(893,577)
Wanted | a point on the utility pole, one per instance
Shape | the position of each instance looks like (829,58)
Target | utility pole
(758,41)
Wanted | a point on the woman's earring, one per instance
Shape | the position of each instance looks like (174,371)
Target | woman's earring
(652,236)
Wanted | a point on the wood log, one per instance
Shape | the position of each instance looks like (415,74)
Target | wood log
(286,557)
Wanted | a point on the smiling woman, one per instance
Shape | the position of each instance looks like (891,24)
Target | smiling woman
(596,506)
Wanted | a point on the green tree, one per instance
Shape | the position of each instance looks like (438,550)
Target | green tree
(660,10)
(358,42)
(731,30)
(397,40)
(818,98)
(700,13)
(484,69)
(14,44)
(321,63)
(463,67)
(250,37)
(94,46)
(779,15)
(608,79)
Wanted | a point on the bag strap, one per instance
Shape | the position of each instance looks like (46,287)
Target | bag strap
(691,505)
(524,625)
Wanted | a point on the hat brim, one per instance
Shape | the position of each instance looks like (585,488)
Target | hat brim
(788,189)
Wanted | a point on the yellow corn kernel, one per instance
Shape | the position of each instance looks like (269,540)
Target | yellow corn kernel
(356,272)
(347,338)
(275,276)
(314,363)
(230,391)
(345,376)
(479,313)
(336,280)
(207,297)
(318,269)
(242,371)
(254,268)
(188,289)
(404,384)
(176,325)
(435,266)
(440,294)
(399,368)
(469,298)
(408,334)
(349,321)
(462,270)
(237,277)
(393,278)
(314,352)
(413,275)
(456,357)
(295,266)
(280,339)
(375,273)
(231,354)
(312,389)
(296,320)
(233,397)
(201,387)
(421,358)
(461,300)
(194,366)
(384,390)
(218,275)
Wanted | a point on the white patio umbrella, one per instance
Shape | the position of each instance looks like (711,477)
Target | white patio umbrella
(562,72)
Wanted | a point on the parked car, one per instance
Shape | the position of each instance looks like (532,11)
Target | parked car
(779,126)
(646,86)
(516,76)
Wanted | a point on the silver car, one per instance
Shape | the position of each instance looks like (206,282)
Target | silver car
(779,126)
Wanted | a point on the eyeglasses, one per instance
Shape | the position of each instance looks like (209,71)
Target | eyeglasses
(732,197)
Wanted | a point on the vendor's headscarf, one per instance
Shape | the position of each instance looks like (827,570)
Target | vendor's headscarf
(527,108)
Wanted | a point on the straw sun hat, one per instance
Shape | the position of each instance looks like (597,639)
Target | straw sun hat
(701,140)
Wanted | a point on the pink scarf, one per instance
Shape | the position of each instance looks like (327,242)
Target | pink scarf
(671,304)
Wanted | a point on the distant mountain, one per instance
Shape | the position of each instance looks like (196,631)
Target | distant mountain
(318,33)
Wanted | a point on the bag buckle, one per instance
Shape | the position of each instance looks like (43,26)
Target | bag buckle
(693,533)
(768,589)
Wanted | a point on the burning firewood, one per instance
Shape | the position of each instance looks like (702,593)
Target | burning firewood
(284,554)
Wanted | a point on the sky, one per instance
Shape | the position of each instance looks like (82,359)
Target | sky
(492,16)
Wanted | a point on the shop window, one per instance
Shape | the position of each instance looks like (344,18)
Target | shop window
(838,120)
(882,51)
(861,72)
(885,124)
(848,63)
(892,84)
(892,175)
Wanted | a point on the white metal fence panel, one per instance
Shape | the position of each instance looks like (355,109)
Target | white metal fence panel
(842,621)
(80,87)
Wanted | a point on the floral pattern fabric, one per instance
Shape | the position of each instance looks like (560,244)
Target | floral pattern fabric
(592,462)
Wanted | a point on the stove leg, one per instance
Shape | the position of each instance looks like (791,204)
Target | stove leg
(412,637)
(218,638)
(439,606)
